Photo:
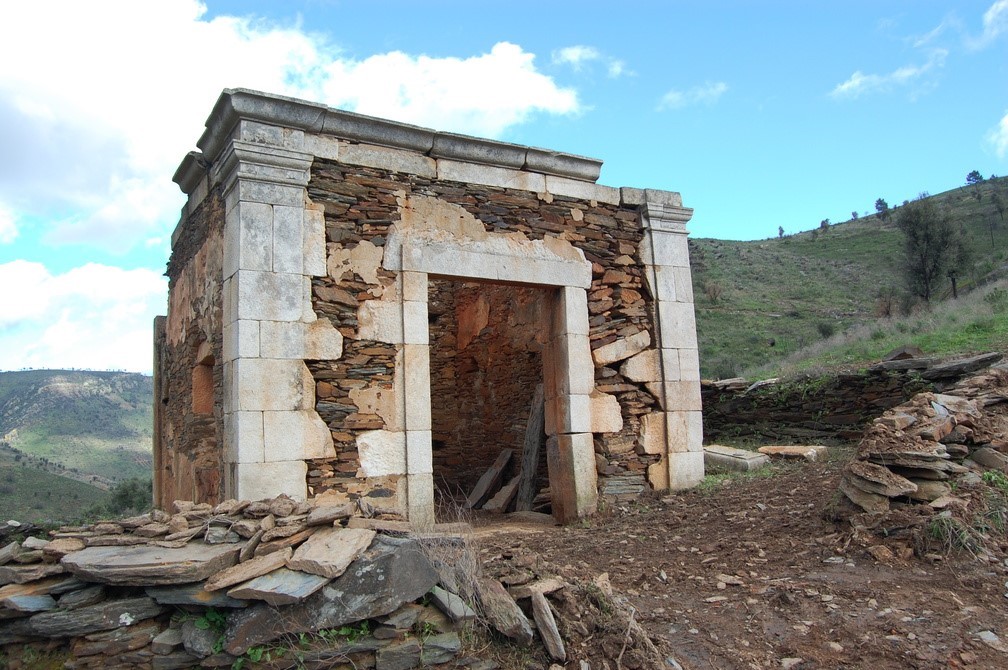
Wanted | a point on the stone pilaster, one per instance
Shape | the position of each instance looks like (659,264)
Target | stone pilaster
(273,245)
(665,253)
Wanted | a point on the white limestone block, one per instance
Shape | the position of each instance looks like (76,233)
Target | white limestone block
(382,453)
(229,300)
(573,371)
(383,401)
(678,325)
(288,239)
(473,173)
(323,146)
(281,339)
(676,395)
(416,328)
(257,132)
(606,416)
(685,431)
(269,384)
(645,366)
(420,500)
(573,414)
(661,282)
(419,454)
(313,242)
(256,481)
(659,247)
(672,365)
(570,311)
(416,363)
(583,190)
(292,435)
(381,321)
(269,296)
(241,339)
(272,193)
(243,437)
(683,284)
(322,342)
(654,433)
(689,365)
(658,474)
(308,314)
(686,470)
(385,158)
(622,349)
(573,478)
(414,286)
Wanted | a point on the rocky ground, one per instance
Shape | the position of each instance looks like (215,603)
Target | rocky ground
(755,573)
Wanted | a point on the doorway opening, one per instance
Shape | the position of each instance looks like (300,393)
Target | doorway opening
(486,360)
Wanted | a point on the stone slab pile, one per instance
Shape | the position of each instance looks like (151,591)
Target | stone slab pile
(919,451)
(205,586)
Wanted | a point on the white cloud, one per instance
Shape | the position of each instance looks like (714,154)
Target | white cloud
(94,316)
(483,95)
(998,137)
(706,94)
(860,83)
(995,24)
(8,227)
(99,101)
(579,56)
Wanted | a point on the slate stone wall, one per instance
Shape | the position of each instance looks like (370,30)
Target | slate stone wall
(190,444)
(360,205)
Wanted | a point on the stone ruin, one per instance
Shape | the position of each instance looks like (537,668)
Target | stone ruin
(369,307)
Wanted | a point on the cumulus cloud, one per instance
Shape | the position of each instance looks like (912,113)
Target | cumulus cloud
(94,316)
(995,24)
(99,101)
(860,83)
(579,56)
(705,94)
(998,137)
(483,95)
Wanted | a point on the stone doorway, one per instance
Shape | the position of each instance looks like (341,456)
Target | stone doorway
(486,360)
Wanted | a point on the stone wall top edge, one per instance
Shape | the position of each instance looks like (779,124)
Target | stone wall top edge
(240,103)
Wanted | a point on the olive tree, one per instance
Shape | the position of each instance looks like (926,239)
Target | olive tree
(931,243)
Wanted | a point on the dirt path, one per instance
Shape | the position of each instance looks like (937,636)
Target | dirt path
(753,574)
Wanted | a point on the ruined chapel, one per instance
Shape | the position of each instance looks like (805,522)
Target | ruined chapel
(376,308)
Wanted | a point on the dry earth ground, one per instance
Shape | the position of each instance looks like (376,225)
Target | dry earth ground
(755,573)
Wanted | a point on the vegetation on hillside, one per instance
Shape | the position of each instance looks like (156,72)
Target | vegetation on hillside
(759,303)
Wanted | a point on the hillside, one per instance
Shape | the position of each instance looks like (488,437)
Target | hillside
(91,426)
(759,301)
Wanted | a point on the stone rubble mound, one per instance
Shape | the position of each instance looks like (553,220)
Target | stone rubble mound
(922,451)
(203,585)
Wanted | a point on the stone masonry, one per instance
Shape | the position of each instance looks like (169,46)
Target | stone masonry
(367,306)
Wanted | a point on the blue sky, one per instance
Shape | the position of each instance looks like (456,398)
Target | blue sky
(760,113)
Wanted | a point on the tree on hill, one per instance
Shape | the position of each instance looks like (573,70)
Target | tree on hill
(929,245)
(974,177)
(999,207)
(882,207)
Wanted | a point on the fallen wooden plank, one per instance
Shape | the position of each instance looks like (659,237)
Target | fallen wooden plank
(535,436)
(489,482)
(499,503)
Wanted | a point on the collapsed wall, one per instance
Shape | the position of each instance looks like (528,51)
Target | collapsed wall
(364,306)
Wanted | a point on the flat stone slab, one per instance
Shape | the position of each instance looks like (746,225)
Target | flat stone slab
(391,572)
(452,605)
(280,587)
(330,551)
(192,594)
(731,458)
(151,566)
(810,453)
(105,616)
(250,569)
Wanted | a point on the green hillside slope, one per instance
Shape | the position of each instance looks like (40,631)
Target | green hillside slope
(93,426)
(759,302)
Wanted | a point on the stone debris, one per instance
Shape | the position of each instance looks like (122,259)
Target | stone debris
(111,604)
(928,449)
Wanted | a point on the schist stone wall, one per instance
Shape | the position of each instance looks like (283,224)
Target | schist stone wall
(368,306)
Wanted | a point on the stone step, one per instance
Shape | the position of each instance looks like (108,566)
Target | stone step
(718,457)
